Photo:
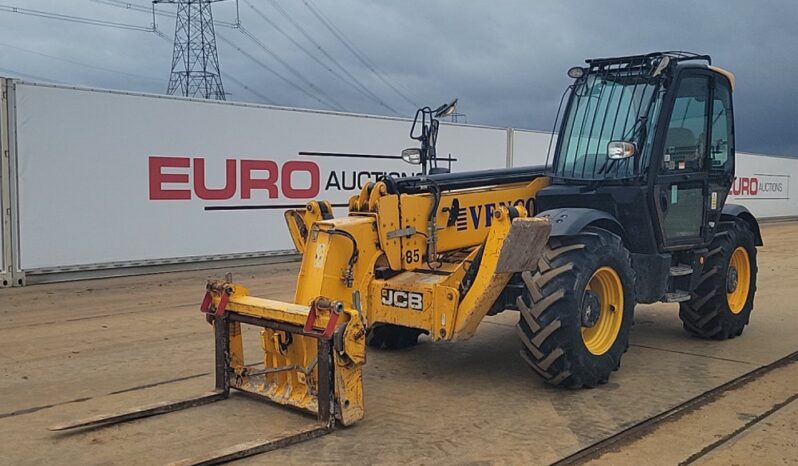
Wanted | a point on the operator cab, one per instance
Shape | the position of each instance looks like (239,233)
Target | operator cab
(648,139)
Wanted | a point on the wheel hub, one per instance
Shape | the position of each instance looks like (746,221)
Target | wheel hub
(591,309)
(732,279)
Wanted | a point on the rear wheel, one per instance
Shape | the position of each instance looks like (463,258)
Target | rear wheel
(722,302)
(577,309)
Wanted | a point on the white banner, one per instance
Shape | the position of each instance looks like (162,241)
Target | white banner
(113,177)
(2,217)
(110,177)
(5,207)
(530,147)
(761,186)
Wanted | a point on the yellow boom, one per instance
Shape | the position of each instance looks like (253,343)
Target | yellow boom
(374,265)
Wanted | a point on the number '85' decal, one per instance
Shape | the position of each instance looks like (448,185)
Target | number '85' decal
(412,255)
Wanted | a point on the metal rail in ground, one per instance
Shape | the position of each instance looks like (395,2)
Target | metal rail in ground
(648,425)
(325,416)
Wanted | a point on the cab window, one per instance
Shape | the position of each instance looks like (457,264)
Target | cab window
(685,146)
(722,140)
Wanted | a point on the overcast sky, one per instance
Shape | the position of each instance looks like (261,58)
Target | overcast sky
(504,60)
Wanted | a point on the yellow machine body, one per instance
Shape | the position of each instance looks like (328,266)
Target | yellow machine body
(435,254)
(387,262)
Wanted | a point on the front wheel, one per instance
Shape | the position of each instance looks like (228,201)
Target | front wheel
(722,302)
(576,309)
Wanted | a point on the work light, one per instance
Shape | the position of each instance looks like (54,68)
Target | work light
(576,72)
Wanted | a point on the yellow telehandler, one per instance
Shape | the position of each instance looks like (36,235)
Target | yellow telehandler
(631,210)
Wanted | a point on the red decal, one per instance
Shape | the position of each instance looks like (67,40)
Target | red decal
(203,192)
(158,178)
(286,181)
(745,186)
(289,181)
(248,183)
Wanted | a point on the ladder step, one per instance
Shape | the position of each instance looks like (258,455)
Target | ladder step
(681,269)
(676,296)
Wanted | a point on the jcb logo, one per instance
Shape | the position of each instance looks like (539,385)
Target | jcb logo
(403,299)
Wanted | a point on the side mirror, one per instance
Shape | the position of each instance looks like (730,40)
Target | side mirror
(619,150)
(412,155)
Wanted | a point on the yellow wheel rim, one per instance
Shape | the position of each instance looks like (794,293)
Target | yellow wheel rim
(738,280)
(606,286)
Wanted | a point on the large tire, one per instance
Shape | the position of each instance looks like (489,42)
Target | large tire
(714,311)
(392,337)
(552,328)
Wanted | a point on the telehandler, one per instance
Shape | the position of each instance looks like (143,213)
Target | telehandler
(631,209)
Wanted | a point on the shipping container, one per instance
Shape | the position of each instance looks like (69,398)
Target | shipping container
(99,182)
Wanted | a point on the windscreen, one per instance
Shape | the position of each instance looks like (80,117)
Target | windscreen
(607,106)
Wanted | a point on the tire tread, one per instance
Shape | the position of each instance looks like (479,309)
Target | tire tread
(706,314)
(547,327)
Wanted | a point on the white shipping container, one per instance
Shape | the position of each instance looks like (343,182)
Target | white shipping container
(5,193)
(763,185)
(105,179)
(530,147)
(3,227)
(115,177)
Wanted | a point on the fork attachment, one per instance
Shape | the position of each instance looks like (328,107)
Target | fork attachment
(302,346)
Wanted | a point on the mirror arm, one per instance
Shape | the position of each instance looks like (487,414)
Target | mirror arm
(428,136)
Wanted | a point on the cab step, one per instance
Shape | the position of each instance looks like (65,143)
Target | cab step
(676,296)
(680,270)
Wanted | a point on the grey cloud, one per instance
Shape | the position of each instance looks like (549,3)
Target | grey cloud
(505,60)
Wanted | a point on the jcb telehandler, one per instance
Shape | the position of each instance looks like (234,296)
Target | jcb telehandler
(631,209)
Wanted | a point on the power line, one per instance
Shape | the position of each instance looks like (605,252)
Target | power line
(228,77)
(336,105)
(164,37)
(144,9)
(271,70)
(74,62)
(195,63)
(73,19)
(351,47)
(310,54)
(225,75)
(132,6)
(330,104)
(310,38)
(89,21)
(13,73)
(362,57)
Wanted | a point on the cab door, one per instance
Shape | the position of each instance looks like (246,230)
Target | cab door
(721,148)
(681,184)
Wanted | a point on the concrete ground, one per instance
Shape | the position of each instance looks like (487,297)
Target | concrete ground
(75,349)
